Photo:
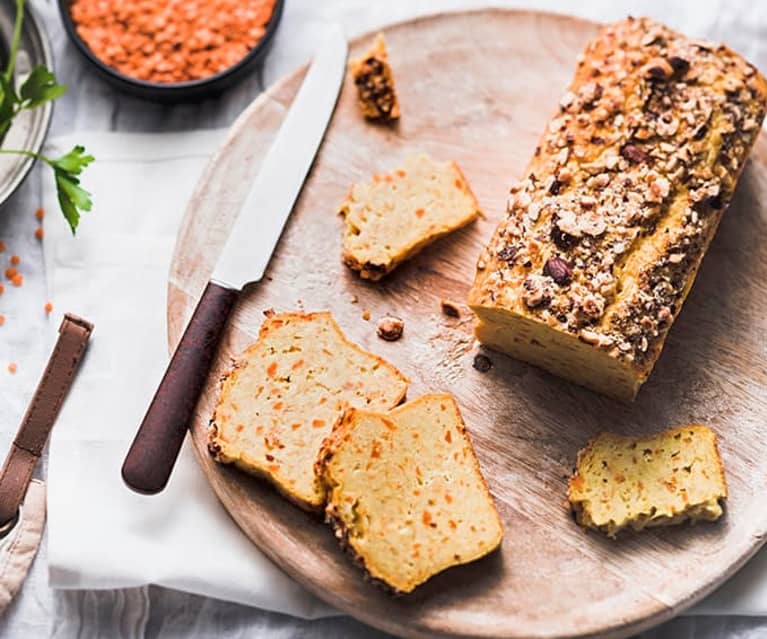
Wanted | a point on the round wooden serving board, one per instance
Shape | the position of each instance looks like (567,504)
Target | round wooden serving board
(478,88)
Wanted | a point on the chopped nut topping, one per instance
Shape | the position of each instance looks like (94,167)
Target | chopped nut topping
(659,69)
(558,270)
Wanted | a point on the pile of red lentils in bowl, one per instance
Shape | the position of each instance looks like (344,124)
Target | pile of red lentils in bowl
(168,41)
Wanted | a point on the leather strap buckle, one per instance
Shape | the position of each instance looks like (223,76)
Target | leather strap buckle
(41,414)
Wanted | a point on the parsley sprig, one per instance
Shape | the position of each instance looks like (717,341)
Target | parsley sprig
(40,87)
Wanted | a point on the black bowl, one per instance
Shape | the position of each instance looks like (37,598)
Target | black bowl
(175,91)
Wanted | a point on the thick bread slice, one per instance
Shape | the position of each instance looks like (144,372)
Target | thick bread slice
(285,392)
(661,480)
(405,492)
(397,214)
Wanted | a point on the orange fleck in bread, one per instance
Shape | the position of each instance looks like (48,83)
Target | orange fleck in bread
(625,482)
(285,392)
(405,492)
(397,214)
(373,76)
(605,232)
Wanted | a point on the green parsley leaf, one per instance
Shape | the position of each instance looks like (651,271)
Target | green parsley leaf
(40,87)
(73,199)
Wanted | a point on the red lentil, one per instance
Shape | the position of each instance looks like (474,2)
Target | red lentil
(171,40)
(17,280)
(15,260)
(48,308)
(2,320)
(40,214)
(10,273)
(39,232)
(12,368)
(2,247)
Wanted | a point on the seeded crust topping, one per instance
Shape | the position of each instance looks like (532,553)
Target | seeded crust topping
(605,233)
(375,83)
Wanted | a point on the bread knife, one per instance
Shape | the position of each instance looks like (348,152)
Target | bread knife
(242,261)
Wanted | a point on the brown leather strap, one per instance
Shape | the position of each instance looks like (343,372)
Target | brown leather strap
(16,474)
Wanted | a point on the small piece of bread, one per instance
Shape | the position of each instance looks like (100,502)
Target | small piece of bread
(284,394)
(661,480)
(373,76)
(397,214)
(405,492)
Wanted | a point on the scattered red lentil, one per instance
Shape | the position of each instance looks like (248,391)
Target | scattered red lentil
(39,232)
(12,368)
(2,247)
(17,280)
(40,213)
(2,289)
(2,320)
(168,40)
(15,260)
(48,308)
(10,273)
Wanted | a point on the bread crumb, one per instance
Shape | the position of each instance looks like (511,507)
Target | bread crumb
(390,328)
(449,308)
(482,363)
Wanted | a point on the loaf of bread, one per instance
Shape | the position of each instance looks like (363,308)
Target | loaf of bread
(405,492)
(373,76)
(665,479)
(285,392)
(397,214)
(606,231)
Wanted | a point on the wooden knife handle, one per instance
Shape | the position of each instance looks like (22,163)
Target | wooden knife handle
(153,452)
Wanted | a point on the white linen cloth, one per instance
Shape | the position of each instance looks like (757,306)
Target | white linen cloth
(101,534)
(113,556)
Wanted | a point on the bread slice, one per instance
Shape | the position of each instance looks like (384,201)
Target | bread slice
(405,492)
(285,392)
(373,76)
(625,482)
(396,214)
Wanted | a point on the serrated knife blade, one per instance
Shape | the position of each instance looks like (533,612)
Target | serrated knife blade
(243,260)
(267,207)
